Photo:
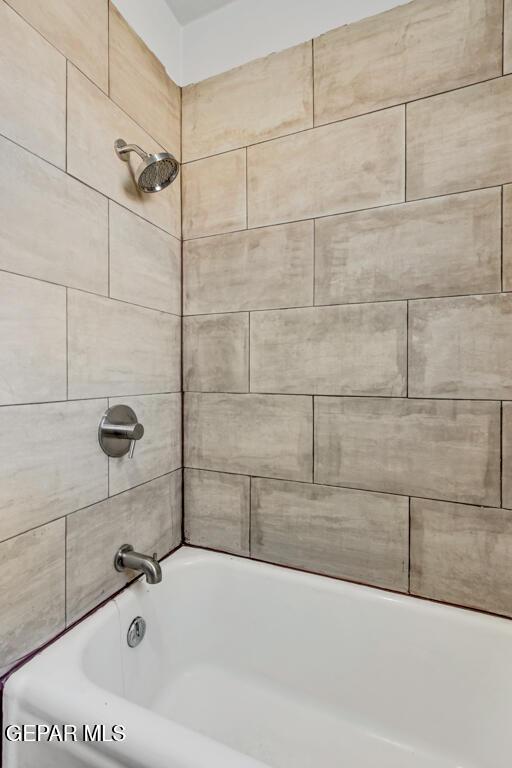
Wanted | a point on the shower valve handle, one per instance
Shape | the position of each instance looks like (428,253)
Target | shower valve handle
(119,431)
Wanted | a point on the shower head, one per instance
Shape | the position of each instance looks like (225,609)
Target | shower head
(155,172)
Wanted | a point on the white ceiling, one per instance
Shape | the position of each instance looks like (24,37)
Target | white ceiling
(190,10)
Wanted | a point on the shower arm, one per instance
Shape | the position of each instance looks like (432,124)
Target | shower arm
(123,150)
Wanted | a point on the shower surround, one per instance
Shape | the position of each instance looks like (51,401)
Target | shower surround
(347,267)
(90,306)
(347,329)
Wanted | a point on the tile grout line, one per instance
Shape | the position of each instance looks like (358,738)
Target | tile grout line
(313,439)
(351,211)
(420,398)
(348,118)
(444,297)
(250,517)
(92,293)
(66,119)
(313,82)
(108,249)
(503,15)
(407,342)
(246,188)
(98,398)
(314,263)
(182,327)
(409,549)
(67,345)
(501,454)
(502,233)
(65,570)
(400,494)
(103,500)
(249,343)
(405,152)
(108,48)
(78,180)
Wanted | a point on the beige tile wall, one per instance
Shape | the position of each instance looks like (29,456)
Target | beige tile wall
(237,108)
(78,30)
(90,302)
(216,352)
(218,510)
(33,67)
(94,123)
(370,442)
(214,194)
(140,85)
(365,246)
(342,532)
(443,246)
(149,514)
(460,140)
(404,54)
(312,173)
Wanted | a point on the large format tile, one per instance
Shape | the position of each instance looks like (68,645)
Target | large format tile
(216,353)
(411,51)
(32,89)
(50,462)
(214,195)
(460,347)
(507,37)
(120,349)
(36,239)
(335,168)
(32,340)
(507,238)
(32,590)
(433,448)
(159,450)
(357,349)
(148,517)
(217,510)
(257,269)
(447,245)
(141,86)
(79,30)
(462,555)
(268,435)
(460,140)
(145,262)
(260,100)
(350,534)
(507,456)
(94,123)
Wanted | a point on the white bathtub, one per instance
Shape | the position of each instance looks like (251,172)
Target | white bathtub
(246,664)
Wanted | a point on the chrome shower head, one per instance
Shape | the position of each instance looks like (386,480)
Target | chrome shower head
(155,172)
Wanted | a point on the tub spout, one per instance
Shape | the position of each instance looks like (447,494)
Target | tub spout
(126,558)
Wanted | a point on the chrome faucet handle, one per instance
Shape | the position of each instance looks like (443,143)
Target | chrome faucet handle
(137,434)
(119,431)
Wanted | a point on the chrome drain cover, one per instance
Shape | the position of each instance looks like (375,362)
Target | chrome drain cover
(136,632)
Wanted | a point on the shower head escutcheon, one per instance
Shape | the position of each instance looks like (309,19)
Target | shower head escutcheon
(155,172)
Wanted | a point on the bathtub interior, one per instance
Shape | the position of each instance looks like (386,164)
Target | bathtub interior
(281,665)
